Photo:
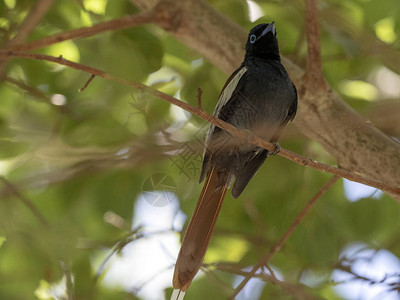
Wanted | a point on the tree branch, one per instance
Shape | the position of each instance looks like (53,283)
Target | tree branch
(117,24)
(391,281)
(31,90)
(297,290)
(285,236)
(31,20)
(355,143)
(322,116)
(314,76)
(28,203)
(244,134)
(34,16)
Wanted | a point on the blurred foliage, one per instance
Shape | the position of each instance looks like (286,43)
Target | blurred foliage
(67,167)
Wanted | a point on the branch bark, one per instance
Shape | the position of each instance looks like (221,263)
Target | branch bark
(34,16)
(244,134)
(31,20)
(314,77)
(299,291)
(355,143)
(323,116)
(286,235)
(116,24)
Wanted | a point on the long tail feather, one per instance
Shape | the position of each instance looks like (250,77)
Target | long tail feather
(177,295)
(200,229)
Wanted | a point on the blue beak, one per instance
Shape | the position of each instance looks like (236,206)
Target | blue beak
(269,28)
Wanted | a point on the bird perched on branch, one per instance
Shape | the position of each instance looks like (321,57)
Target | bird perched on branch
(260,97)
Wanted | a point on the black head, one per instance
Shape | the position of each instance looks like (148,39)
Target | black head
(262,42)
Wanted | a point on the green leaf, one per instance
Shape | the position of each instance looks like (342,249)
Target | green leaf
(98,129)
(9,149)
(3,239)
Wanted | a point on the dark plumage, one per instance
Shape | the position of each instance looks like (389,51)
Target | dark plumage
(259,96)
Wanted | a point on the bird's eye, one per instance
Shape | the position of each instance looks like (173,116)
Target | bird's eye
(253,38)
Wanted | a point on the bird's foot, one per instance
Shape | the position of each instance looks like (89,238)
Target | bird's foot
(276,150)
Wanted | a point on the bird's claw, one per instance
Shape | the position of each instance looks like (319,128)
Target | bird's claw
(276,150)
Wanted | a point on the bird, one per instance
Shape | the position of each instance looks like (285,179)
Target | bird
(259,97)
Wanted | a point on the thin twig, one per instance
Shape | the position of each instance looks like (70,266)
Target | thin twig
(117,24)
(286,235)
(314,76)
(392,280)
(215,280)
(34,16)
(271,272)
(31,90)
(199,92)
(133,236)
(244,134)
(299,291)
(87,83)
(28,203)
(66,268)
(254,214)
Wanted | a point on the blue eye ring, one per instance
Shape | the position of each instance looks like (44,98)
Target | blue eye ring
(253,38)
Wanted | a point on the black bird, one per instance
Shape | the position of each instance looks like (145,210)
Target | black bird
(259,96)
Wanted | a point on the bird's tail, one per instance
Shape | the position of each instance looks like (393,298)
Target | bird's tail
(199,231)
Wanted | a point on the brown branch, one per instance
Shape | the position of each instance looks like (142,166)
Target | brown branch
(28,203)
(366,40)
(31,90)
(31,20)
(34,16)
(286,235)
(314,76)
(322,115)
(220,284)
(199,92)
(69,285)
(390,280)
(117,24)
(317,113)
(254,214)
(87,83)
(297,290)
(244,134)
(90,162)
(37,93)
(144,4)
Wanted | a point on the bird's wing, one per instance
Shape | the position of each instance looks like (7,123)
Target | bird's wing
(249,170)
(233,82)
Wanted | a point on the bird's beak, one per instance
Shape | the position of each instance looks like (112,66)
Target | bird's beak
(269,28)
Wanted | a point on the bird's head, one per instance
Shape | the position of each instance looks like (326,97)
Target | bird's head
(262,42)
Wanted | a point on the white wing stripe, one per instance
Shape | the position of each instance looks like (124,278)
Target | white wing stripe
(223,99)
(228,91)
